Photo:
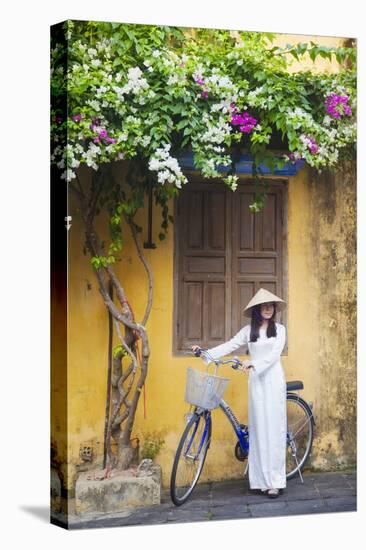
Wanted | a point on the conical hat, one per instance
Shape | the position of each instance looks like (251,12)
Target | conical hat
(261,297)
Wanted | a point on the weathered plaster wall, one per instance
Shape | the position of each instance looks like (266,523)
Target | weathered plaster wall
(333,236)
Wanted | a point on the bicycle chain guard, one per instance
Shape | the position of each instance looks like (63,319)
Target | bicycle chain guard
(239,453)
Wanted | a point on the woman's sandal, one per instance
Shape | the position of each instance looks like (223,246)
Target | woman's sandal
(273,493)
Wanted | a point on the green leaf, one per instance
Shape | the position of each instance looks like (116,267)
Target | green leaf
(313,53)
(185,141)
(176,109)
(302,47)
(182,124)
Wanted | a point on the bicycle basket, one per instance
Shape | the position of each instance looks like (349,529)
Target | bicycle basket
(203,389)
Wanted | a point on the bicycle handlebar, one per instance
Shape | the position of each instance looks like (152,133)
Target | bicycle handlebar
(235,363)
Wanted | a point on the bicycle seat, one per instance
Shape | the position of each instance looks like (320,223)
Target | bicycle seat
(294,385)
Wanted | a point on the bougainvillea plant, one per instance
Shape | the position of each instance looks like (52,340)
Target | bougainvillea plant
(151,92)
(146,94)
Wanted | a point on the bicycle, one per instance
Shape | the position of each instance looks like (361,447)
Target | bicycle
(204,392)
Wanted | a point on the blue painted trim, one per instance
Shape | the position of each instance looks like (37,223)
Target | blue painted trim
(244,166)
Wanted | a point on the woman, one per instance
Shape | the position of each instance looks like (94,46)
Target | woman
(267,424)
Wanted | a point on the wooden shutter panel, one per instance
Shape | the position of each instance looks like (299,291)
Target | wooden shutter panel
(223,255)
(203,275)
(257,250)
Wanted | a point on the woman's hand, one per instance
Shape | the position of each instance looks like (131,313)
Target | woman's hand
(196,350)
(247,364)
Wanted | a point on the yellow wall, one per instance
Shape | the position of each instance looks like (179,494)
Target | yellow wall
(321,332)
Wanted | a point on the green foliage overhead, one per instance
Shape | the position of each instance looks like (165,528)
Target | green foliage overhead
(148,93)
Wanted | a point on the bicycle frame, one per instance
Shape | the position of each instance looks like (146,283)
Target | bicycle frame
(240,434)
(208,422)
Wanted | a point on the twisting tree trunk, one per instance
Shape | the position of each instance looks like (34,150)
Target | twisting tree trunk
(128,376)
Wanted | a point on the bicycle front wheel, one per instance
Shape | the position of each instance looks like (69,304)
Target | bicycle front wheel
(190,457)
(300,434)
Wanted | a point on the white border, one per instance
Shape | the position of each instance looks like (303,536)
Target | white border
(25,268)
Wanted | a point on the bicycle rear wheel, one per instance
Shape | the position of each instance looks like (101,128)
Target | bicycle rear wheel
(190,457)
(300,434)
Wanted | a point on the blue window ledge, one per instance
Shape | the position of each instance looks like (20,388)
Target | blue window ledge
(244,166)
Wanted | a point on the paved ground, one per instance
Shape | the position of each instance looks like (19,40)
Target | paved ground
(320,493)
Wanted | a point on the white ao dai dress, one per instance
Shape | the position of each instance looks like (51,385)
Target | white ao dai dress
(266,405)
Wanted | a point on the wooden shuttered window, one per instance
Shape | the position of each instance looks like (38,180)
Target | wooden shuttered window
(223,255)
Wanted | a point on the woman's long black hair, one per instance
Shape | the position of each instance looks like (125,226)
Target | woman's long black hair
(257,321)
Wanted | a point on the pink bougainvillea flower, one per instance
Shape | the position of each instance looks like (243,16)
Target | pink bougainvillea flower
(249,119)
(245,122)
(76,118)
(337,105)
(237,119)
(204,94)
(314,148)
(102,133)
(199,81)
(333,113)
(246,128)
(59,119)
(312,144)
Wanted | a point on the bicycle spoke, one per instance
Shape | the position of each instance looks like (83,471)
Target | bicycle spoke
(191,459)
(300,434)
(304,425)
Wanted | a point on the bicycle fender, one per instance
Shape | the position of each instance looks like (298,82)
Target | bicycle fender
(306,405)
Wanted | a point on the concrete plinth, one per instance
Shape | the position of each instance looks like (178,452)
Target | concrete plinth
(124,489)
